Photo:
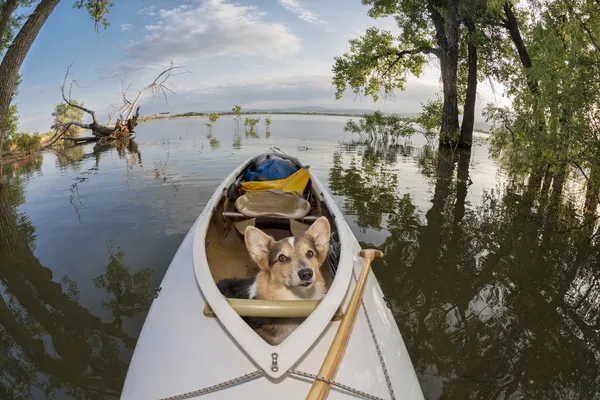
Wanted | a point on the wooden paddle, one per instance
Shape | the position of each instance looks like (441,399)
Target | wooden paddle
(320,389)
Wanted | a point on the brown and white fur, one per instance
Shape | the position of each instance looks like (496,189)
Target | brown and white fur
(290,269)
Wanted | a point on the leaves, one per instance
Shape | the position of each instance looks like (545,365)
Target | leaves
(98,11)
(64,113)
(376,65)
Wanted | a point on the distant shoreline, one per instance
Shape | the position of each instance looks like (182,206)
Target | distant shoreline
(155,117)
(200,115)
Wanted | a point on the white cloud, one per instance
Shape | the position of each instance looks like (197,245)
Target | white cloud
(126,27)
(301,12)
(147,11)
(212,28)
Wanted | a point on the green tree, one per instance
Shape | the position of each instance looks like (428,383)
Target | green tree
(237,111)
(12,124)
(250,123)
(554,120)
(378,61)
(213,117)
(20,45)
(65,113)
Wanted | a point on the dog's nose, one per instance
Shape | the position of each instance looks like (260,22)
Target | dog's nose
(305,274)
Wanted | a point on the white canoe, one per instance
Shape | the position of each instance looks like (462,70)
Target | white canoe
(183,353)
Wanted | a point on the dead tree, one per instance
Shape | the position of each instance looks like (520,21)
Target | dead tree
(128,112)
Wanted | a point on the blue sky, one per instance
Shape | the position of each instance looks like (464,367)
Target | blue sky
(259,54)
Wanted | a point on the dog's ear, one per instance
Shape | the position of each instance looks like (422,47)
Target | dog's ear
(258,244)
(319,232)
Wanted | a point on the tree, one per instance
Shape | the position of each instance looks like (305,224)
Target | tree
(19,47)
(268,126)
(213,117)
(237,111)
(378,62)
(12,124)
(128,112)
(64,113)
(554,119)
(250,123)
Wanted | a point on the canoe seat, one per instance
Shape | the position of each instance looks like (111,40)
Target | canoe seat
(269,203)
(272,308)
(289,226)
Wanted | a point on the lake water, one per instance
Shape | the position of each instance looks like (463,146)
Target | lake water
(494,282)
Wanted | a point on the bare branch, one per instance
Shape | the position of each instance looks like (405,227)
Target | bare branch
(158,87)
(69,101)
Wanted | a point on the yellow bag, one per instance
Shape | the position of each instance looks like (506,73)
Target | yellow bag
(295,183)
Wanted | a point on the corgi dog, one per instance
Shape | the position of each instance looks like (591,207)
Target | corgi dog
(290,269)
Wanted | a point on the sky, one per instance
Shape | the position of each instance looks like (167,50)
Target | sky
(258,54)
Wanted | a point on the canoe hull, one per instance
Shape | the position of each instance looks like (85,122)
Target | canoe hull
(180,350)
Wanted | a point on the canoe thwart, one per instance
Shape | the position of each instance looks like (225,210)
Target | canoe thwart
(273,308)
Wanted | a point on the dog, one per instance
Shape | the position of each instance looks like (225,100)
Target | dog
(290,269)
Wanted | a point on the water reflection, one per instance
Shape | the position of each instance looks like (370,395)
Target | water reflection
(51,345)
(131,292)
(495,301)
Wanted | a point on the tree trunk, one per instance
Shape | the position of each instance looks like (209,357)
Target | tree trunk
(468,122)
(449,65)
(11,63)
(450,124)
(515,34)
(6,15)
(592,193)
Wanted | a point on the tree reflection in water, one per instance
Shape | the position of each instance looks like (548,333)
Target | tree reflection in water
(496,301)
(52,346)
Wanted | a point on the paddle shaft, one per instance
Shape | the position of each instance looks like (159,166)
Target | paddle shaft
(319,389)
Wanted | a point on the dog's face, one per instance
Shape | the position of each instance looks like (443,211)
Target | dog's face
(295,261)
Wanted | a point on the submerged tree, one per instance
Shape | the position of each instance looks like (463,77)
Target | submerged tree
(378,61)
(552,126)
(237,111)
(250,123)
(128,113)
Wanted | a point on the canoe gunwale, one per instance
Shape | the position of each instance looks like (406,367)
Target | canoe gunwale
(302,338)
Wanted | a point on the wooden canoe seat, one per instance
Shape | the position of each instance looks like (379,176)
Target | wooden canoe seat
(273,308)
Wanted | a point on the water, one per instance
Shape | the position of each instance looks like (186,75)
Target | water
(494,282)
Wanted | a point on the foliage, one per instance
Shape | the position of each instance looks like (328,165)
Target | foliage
(373,67)
(237,111)
(12,124)
(268,121)
(16,20)
(26,142)
(251,123)
(98,11)
(65,113)
(430,118)
(554,120)
(213,117)
(381,126)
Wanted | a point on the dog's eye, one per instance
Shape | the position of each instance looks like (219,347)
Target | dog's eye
(309,254)
(282,258)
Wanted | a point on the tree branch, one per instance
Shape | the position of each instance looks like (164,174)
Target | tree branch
(7,11)
(583,24)
(158,87)
(420,50)
(438,23)
(513,29)
(69,101)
